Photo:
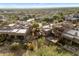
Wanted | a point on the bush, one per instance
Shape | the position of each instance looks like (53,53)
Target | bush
(35,25)
(2,38)
(48,19)
(1,43)
(30,46)
(25,46)
(15,46)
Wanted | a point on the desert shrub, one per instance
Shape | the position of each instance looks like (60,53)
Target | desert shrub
(2,39)
(15,46)
(49,51)
(30,46)
(25,46)
(35,24)
(1,43)
(41,41)
(48,19)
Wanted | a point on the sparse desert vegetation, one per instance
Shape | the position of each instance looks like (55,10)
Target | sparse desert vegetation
(39,32)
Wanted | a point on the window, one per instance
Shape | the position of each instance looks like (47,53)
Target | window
(20,37)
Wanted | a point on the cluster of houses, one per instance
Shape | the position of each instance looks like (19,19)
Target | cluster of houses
(72,17)
(17,30)
(63,33)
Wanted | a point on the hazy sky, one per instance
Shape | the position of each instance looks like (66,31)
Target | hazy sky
(37,5)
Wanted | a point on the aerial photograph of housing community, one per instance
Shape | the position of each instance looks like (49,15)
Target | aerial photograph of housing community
(39,30)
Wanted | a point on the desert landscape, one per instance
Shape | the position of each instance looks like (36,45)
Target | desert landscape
(39,32)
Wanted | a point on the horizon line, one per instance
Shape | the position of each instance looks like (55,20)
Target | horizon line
(38,5)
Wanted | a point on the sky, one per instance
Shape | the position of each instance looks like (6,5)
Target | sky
(37,5)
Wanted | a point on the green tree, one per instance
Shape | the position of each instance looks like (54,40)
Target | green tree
(48,19)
